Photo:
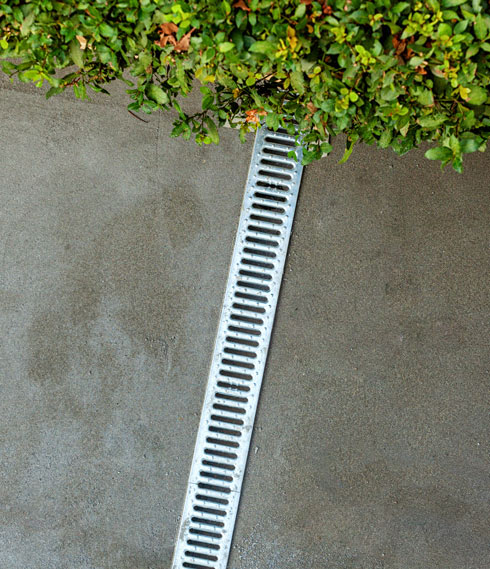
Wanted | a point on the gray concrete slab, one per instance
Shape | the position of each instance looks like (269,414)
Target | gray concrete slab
(371,442)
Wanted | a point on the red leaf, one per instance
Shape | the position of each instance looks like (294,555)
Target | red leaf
(184,42)
(167,35)
(241,4)
(168,28)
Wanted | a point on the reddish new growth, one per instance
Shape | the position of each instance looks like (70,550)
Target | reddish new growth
(253,115)
(168,33)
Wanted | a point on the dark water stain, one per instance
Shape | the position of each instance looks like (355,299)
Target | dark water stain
(9,301)
(129,558)
(128,279)
(131,261)
(441,333)
(48,340)
(182,210)
(378,514)
(124,297)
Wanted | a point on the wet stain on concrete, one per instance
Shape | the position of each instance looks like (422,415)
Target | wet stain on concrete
(49,351)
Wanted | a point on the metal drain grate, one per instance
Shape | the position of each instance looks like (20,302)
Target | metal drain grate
(240,354)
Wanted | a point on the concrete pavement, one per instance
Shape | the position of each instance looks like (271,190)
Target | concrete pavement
(371,443)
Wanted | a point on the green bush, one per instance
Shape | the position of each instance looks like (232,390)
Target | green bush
(384,72)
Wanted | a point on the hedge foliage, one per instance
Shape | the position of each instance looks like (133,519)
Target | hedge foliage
(380,71)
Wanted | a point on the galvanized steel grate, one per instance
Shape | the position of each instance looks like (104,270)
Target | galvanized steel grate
(240,354)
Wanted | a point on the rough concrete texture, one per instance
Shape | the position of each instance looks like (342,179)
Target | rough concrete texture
(371,442)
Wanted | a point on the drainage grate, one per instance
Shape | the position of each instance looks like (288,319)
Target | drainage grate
(240,354)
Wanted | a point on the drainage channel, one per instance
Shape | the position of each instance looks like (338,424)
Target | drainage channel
(240,354)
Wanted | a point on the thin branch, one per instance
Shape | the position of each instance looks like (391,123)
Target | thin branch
(136,116)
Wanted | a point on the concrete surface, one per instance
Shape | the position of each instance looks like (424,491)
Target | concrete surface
(371,442)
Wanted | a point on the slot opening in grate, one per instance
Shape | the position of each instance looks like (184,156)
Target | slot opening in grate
(280,141)
(188,565)
(235,374)
(270,197)
(248,308)
(259,252)
(255,275)
(272,185)
(234,386)
(275,152)
(249,284)
(201,556)
(277,163)
(205,544)
(274,174)
(267,219)
(206,533)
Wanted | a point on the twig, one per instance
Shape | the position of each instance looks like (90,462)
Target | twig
(136,116)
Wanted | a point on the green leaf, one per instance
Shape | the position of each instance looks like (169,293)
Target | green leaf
(240,18)
(226,6)
(157,94)
(212,130)
(439,153)
(27,23)
(107,31)
(237,37)
(477,96)
(400,7)
(30,75)
(470,144)
(416,61)
(207,101)
(310,155)
(472,50)
(444,30)
(452,3)
(326,147)
(385,138)
(300,11)
(348,151)
(7,66)
(403,125)
(272,121)
(480,27)
(297,81)
(225,46)
(426,98)
(361,16)
(434,5)
(53,91)
(4,44)
(461,26)
(458,164)
(432,121)
(264,47)
(76,53)
(80,91)
(449,15)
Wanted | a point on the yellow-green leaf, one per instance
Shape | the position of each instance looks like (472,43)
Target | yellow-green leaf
(225,46)
(76,53)
(298,82)
(157,94)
